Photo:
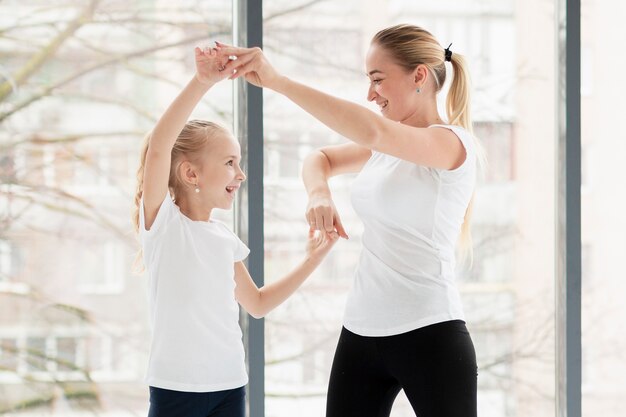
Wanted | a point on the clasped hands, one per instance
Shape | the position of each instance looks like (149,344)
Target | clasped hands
(226,61)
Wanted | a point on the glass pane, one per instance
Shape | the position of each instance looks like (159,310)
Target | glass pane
(508,294)
(36,354)
(79,89)
(603,203)
(67,354)
(8,357)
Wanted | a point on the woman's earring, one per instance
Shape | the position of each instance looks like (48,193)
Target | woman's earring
(418,90)
(197,189)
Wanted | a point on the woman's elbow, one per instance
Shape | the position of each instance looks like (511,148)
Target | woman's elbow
(257,314)
(315,158)
(375,136)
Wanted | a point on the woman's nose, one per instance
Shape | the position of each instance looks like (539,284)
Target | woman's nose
(371,93)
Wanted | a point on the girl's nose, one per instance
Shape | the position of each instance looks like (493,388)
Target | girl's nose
(240,174)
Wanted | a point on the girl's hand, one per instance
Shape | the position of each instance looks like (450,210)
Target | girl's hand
(250,63)
(322,215)
(210,66)
(320,243)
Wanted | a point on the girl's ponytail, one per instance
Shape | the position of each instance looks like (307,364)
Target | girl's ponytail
(139,188)
(138,267)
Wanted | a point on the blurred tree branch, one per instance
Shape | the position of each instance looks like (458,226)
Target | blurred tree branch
(41,57)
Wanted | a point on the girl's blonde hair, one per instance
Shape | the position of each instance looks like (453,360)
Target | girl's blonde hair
(189,145)
(411,46)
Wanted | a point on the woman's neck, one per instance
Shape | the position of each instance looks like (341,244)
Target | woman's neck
(424,116)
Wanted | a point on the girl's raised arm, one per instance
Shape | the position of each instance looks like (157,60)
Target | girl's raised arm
(169,126)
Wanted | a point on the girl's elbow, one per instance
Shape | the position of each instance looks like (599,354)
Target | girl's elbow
(258,311)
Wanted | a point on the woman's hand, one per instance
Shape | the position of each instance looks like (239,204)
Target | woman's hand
(250,63)
(320,243)
(210,66)
(322,215)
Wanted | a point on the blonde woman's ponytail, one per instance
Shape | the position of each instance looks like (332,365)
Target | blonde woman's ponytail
(459,113)
(458,100)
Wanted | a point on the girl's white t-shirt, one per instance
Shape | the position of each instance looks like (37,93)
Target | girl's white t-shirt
(196,341)
(412,218)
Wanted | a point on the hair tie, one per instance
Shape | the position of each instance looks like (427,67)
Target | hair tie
(448,54)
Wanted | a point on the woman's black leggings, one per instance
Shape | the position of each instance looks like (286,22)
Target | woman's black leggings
(434,365)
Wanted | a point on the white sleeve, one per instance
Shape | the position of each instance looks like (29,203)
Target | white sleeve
(163,214)
(469,164)
(242,251)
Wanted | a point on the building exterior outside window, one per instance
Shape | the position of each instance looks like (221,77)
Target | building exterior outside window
(73,316)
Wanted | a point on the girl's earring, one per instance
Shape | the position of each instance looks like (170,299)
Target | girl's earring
(197,190)
(418,90)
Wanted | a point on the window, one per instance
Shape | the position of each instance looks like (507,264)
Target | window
(10,261)
(104,268)
(510,288)
(603,202)
(36,355)
(68,297)
(8,356)
(66,358)
(7,167)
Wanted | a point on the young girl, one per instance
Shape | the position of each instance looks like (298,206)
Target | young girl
(194,263)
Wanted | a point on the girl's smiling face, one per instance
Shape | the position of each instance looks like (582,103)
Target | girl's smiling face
(220,175)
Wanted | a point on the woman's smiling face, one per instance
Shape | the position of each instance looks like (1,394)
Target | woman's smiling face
(391,86)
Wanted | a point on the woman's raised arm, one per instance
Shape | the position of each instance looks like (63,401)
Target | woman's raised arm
(436,148)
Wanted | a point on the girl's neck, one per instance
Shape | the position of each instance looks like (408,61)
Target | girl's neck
(193,209)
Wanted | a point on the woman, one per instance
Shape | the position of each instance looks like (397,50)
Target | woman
(403,326)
